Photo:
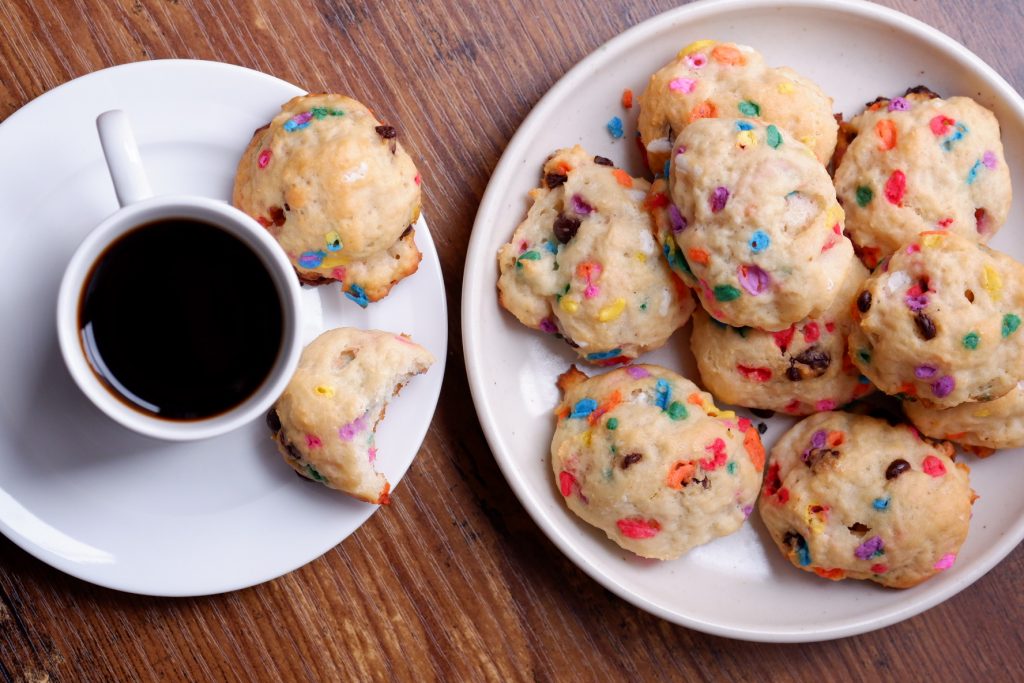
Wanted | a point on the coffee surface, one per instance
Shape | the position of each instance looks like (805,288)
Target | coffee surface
(180,319)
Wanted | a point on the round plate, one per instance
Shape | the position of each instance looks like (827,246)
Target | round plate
(105,504)
(739,586)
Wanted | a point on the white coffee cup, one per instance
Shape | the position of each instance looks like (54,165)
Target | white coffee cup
(139,207)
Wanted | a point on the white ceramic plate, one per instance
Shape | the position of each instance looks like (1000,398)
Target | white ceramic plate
(105,504)
(739,586)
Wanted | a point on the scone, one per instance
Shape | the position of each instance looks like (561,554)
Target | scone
(325,421)
(939,322)
(922,163)
(337,191)
(584,263)
(708,79)
(990,425)
(643,455)
(800,370)
(758,231)
(849,496)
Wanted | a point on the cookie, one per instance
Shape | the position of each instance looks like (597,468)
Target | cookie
(850,496)
(990,425)
(800,370)
(939,322)
(757,230)
(337,191)
(708,79)
(325,421)
(645,456)
(584,263)
(920,163)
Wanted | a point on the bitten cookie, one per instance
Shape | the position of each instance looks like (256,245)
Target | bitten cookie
(800,370)
(922,163)
(849,496)
(758,232)
(584,263)
(645,456)
(939,322)
(337,191)
(708,79)
(325,421)
(993,424)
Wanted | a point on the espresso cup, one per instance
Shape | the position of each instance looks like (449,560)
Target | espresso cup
(139,212)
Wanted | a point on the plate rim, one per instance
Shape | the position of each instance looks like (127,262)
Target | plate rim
(474,349)
(80,570)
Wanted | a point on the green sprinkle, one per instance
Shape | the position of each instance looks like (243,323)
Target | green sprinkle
(1010,324)
(677,411)
(313,474)
(864,196)
(750,108)
(726,293)
(864,355)
(731,467)
(971,340)
(643,306)
(530,256)
(318,112)
(612,423)
(774,137)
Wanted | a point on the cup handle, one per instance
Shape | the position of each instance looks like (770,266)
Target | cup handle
(123,159)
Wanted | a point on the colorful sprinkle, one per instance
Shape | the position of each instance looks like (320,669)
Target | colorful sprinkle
(298,122)
(349,431)
(925,371)
(944,387)
(825,405)
(548,326)
(744,125)
(604,355)
(622,178)
(580,206)
(677,219)
(611,311)
(717,449)
(745,139)
(637,372)
(263,159)
(773,137)
(786,88)
(683,85)
(753,279)
(945,562)
(873,547)
(323,390)
(941,124)
(333,240)
(627,98)
(896,187)
(881,503)
(1011,322)
(638,528)
(614,127)
(992,282)
(899,104)
(972,174)
(612,424)
(583,407)
(759,241)
(886,131)
(971,340)
(754,374)
(727,54)
(933,467)
(358,295)
(864,196)
(704,110)
(958,134)
(313,441)
(662,394)
(718,199)
(749,108)
(989,159)
(726,293)
(680,474)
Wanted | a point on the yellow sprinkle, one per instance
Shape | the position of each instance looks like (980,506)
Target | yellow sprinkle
(324,391)
(991,281)
(333,261)
(834,215)
(746,138)
(931,240)
(816,524)
(611,311)
(786,87)
(641,257)
(695,46)
(984,412)
(569,305)
(724,414)
(809,140)
(586,438)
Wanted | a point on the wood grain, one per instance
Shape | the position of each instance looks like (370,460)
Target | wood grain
(453,581)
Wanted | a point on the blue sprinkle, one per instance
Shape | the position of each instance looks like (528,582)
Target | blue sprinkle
(615,127)
(666,169)
(602,355)
(957,135)
(759,241)
(972,175)
(583,408)
(291,126)
(358,295)
(311,259)
(881,503)
(663,393)
(863,380)
(550,246)
(744,125)
(803,555)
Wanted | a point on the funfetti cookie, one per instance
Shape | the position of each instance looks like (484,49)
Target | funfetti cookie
(645,456)
(338,192)
(850,496)
(708,79)
(918,163)
(325,421)
(978,426)
(799,370)
(584,263)
(756,229)
(939,322)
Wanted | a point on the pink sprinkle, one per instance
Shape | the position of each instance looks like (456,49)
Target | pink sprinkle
(696,60)
(899,104)
(825,405)
(338,273)
(681,149)
(793,406)
(683,85)
(637,372)
(547,326)
(718,199)
(313,441)
(941,124)
(913,248)
(989,159)
(417,179)
(747,509)
(349,431)
(932,466)
(945,562)
(639,528)
(580,206)
(591,291)
(264,159)
(373,453)
(304,117)
(753,279)
(943,224)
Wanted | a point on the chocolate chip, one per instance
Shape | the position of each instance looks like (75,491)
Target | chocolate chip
(277,216)
(793,539)
(553,180)
(760,412)
(762,428)
(793,374)
(386,132)
(287,207)
(859,529)
(565,228)
(273,420)
(818,458)
(925,326)
(864,301)
(896,468)
(815,359)
(631,459)
(293,452)
(603,161)
(969,295)
(921,90)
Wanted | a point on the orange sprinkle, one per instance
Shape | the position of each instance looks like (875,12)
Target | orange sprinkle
(627,98)
(623,178)
(562,412)
(835,439)
(607,405)
(907,388)
(727,54)
(695,399)
(755,449)
(886,131)
(834,574)
(698,256)
(704,110)
(954,437)
(878,105)
(564,167)
(680,474)
(588,270)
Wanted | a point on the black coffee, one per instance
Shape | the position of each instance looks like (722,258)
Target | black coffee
(180,319)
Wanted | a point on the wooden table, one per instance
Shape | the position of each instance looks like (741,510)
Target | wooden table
(453,581)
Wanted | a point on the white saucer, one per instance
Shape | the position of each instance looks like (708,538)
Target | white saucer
(739,586)
(100,502)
